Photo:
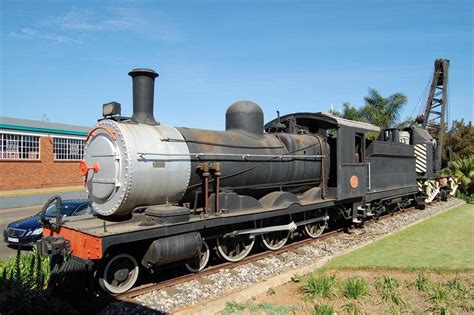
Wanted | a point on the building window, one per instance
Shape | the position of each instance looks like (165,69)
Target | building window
(19,147)
(68,149)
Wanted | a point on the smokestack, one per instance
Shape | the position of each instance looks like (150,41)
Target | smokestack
(143,94)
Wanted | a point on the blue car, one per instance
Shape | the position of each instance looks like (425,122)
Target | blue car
(26,232)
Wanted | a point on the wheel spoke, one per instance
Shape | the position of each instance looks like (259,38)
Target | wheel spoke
(277,239)
(272,240)
(315,229)
(200,262)
(235,248)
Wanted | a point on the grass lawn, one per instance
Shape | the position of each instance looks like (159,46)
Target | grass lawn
(399,274)
(444,242)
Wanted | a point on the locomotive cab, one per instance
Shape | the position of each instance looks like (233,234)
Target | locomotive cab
(349,172)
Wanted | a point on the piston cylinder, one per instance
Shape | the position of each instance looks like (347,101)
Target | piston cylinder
(170,249)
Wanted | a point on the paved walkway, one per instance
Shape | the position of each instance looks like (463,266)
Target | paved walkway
(34,197)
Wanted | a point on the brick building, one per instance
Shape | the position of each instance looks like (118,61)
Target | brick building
(38,154)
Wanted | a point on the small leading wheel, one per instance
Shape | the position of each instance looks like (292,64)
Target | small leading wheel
(235,248)
(274,240)
(119,274)
(200,261)
(315,229)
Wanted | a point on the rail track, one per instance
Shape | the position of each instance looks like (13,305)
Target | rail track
(129,296)
(216,268)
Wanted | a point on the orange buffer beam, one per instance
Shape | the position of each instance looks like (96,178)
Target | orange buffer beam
(81,245)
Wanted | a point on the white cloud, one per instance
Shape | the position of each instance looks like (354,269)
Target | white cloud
(34,33)
(72,26)
(78,20)
(61,38)
(89,21)
(29,31)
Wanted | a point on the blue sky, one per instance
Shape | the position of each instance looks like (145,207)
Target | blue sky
(65,59)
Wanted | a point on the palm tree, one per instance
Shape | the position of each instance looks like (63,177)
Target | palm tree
(382,111)
(378,110)
(463,170)
(350,112)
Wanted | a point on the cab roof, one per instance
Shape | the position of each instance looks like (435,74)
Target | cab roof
(324,121)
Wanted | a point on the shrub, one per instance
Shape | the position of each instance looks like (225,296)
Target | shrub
(460,293)
(463,170)
(296,278)
(261,308)
(465,196)
(440,299)
(323,309)
(389,289)
(270,291)
(355,287)
(422,283)
(319,285)
(26,267)
(22,284)
(22,287)
(352,308)
(233,307)
(458,287)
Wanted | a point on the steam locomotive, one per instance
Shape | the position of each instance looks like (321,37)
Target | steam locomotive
(167,195)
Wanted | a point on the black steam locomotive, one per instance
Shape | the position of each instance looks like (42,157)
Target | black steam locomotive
(166,195)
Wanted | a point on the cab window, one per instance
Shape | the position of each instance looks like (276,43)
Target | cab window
(359,154)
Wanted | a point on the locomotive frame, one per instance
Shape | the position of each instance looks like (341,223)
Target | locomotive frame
(357,178)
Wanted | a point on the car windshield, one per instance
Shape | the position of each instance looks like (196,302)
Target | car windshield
(66,210)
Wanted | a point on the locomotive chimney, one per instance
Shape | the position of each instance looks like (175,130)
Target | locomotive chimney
(143,94)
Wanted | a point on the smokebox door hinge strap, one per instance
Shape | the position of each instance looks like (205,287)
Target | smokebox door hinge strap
(91,133)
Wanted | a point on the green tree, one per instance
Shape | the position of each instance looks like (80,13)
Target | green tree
(461,139)
(350,112)
(382,111)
